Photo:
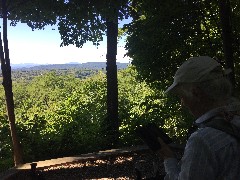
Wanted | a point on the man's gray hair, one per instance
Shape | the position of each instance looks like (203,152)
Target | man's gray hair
(217,89)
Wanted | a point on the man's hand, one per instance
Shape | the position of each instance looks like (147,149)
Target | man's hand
(165,151)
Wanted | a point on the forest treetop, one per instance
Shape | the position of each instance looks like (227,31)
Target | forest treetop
(165,33)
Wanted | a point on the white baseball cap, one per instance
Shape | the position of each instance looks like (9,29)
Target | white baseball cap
(197,69)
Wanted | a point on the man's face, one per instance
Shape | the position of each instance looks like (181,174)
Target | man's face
(191,102)
(187,102)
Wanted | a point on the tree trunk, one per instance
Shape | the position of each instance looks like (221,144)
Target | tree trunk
(112,86)
(225,17)
(7,84)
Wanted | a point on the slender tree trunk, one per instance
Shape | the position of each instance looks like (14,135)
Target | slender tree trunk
(112,86)
(7,84)
(225,16)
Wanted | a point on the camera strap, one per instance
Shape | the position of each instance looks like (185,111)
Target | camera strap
(224,122)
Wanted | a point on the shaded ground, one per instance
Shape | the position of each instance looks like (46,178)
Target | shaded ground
(112,166)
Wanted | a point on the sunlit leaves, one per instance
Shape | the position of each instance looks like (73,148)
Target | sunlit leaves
(65,115)
(140,103)
(171,32)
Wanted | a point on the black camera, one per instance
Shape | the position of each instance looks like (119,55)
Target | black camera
(150,133)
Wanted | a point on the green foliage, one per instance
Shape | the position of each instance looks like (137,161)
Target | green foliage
(83,21)
(60,115)
(6,160)
(36,14)
(28,75)
(140,103)
(164,34)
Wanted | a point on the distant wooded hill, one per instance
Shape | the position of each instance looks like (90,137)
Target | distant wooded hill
(88,65)
(29,71)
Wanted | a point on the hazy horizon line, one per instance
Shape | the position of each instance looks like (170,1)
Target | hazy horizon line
(63,63)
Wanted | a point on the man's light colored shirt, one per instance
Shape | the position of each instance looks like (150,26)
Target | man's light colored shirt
(209,154)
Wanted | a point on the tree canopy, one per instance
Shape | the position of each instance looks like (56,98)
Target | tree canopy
(77,21)
(165,33)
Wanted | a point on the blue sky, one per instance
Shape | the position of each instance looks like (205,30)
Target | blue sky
(43,47)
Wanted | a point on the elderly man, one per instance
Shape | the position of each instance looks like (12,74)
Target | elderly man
(213,150)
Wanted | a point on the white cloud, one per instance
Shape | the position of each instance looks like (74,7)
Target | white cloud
(53,54)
